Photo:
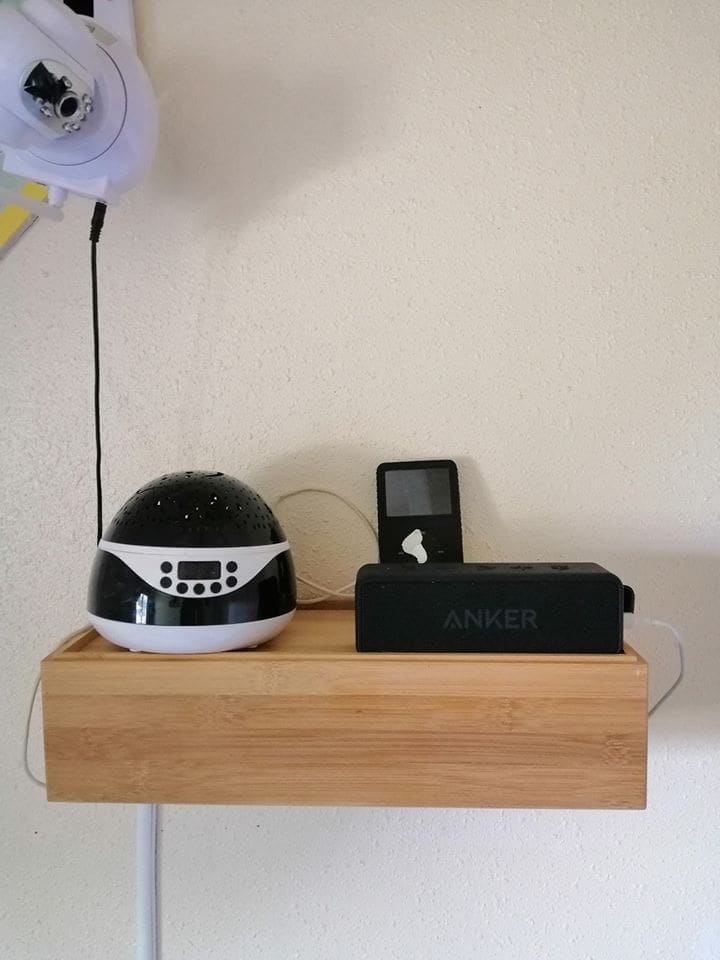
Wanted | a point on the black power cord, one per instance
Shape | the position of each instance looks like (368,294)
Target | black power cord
(98,219)
(96,225)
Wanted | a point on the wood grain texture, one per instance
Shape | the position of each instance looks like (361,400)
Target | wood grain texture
(307,720)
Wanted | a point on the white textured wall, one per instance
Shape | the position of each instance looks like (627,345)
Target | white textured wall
(386,229)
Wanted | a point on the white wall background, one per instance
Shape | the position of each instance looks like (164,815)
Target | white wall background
(386,229)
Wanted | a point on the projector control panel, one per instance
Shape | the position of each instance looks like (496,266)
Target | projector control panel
(195,572)
(197,576)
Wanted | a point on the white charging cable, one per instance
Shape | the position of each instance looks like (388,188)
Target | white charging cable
(343,593)
(26,745)
(631,620)
(146,842)
(325,592)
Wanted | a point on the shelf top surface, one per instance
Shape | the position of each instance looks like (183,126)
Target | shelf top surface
(313,634)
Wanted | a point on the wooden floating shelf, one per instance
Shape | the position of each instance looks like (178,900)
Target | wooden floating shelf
(307,720)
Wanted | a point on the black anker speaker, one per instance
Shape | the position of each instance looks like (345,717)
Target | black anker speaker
(574,608)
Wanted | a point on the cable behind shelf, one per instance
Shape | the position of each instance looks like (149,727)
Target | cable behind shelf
(325,592)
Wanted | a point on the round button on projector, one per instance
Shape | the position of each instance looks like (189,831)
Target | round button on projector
(231,566)
(182,588)
(165,582)
(231,581)
(199,588)
(166,566)
(216,587)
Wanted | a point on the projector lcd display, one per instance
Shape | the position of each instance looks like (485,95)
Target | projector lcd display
(418,493)
(198,570)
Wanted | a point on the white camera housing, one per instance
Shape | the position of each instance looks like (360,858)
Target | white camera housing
(77,111)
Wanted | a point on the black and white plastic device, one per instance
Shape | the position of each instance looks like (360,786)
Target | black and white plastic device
(419,512)
(193,563)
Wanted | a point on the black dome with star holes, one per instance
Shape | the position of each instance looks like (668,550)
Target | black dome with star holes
(195,509)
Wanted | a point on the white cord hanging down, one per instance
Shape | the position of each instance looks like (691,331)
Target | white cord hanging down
(681,654)
(630,620)
(26,745)
(146,840)
(342,593)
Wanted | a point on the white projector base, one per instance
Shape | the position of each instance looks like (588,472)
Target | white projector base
(217,638)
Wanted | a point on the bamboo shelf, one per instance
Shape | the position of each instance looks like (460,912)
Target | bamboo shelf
(307,720)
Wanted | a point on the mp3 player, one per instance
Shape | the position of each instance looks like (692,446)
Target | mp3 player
(419,512)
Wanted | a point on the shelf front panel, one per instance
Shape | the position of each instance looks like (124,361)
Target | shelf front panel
(307,720)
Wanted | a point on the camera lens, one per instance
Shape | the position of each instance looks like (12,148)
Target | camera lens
(68,107)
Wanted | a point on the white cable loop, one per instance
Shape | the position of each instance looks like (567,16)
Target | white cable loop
(26,745)
(630,619)
(326,592)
